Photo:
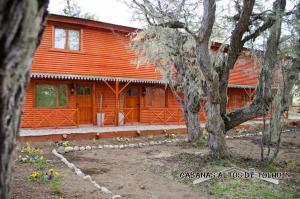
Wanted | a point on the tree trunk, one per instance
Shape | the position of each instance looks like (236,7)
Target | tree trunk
(192,124)
(20,29)
(214,122)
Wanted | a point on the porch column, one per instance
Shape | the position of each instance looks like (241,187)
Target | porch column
(117,102)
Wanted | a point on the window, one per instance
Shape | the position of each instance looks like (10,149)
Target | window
(51,95)
(83,90)
(66,39)
(155,97)
(133,91)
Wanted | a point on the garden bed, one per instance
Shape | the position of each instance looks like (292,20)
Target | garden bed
(154,171)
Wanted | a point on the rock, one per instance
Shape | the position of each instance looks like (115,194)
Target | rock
(94,147)
(121,146)
(110,146)
(116,146)
(105,190)
(142,187)
(61,150)
(82,148)
(76,148)
(116,197)
(135,145)
(88,147)
(151,143)
(70,165)
(100,147)
(69,149)
(259,133)
(131,145)
(141,144)
(87,177)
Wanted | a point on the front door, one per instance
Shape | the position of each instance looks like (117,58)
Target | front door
(84,103)
(132,105)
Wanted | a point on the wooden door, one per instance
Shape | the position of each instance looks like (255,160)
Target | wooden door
(132,105)
(84,103)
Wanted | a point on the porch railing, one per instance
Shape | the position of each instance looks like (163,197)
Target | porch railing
(53,118)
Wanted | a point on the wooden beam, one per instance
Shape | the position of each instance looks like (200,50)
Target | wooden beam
(124,87)
(117,102)
(109,86)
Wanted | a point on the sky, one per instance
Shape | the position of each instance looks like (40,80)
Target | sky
(111,11)
(116,12)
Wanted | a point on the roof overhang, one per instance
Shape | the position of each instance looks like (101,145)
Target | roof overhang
(96,78)
(108,78)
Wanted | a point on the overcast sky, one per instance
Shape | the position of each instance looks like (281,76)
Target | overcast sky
(111,11)
(116,12)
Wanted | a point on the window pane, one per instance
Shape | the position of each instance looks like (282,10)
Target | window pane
(73,40)
(62,95)
(155,97)
(45,95)
(134,91)
(80,90)
(87,90)
(60,38)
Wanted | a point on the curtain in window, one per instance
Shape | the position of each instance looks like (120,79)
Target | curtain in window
(155,97)
(73,40)
(60,38)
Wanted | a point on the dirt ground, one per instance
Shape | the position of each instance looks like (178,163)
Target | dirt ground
(153,172)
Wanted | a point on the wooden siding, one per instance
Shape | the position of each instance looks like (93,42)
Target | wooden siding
(34,117)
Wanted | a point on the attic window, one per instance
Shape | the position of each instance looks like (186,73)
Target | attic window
(67,39)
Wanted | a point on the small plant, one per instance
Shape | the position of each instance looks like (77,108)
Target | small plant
(35,176)
(66,144)
(150,137)
(40,163)
(170,135)
(201,142)
(54,181)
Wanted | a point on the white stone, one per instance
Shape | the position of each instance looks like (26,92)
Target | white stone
(105,190)
(136,145)
(106,146)
(259,133)
(116,197)
(151,143)
(110,146)
(69,149)
(126,145)
(121,146)
(100,147)
(94,147)
(70,165)
(88,147)
(131,145)
(82,148)
(61,150)
(76,148)
(116,146)
(87,177)
(96,185)
(141,144)
(79,172)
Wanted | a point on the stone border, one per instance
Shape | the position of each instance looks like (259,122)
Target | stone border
(85,177)
(67,149)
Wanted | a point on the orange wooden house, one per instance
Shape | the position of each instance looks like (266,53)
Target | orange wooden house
(83,69)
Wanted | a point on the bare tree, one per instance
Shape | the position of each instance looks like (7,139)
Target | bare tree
(21,27)
(290,72)
(248,25)
(72,9)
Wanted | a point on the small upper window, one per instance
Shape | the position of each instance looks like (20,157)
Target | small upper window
(67,39)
